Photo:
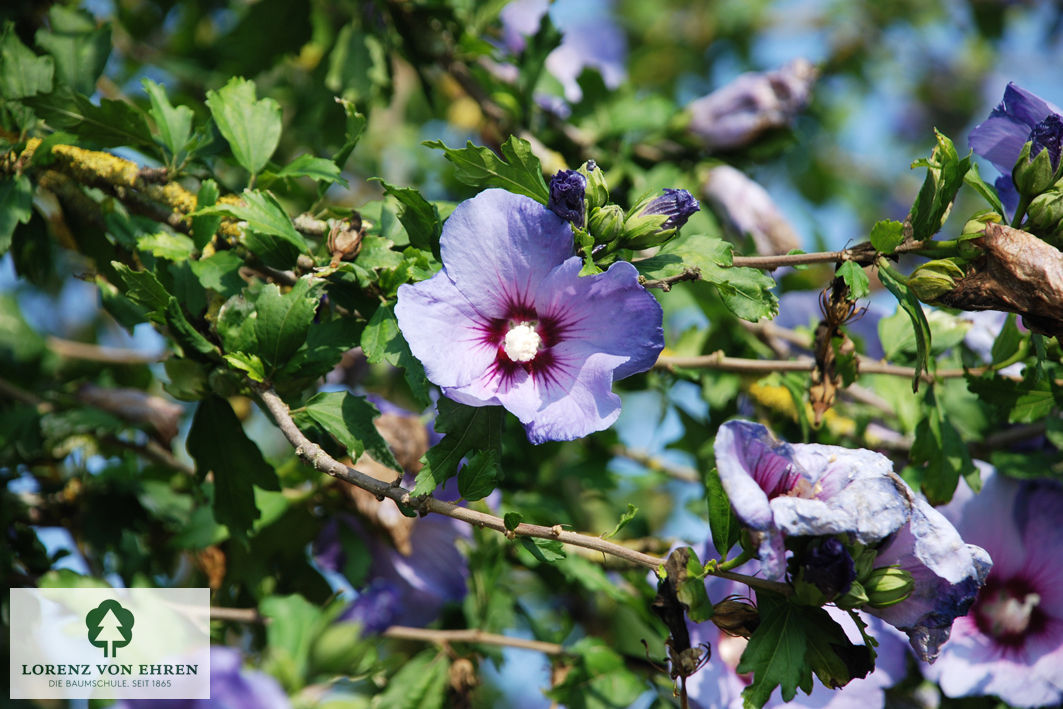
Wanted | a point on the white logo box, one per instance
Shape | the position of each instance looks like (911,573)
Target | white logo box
(104,643)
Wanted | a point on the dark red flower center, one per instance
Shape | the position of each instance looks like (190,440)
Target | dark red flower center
(524,340)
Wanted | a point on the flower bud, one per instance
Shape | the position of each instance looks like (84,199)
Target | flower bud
(1038,166)
(735,616)
(655,221)
(934,278)
(887,586)
(855,597)
(1044,217)
(606,223)
(567,191)
(976,224)
(825,570)
(597,189)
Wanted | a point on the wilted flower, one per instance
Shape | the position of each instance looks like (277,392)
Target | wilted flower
(231,687)
(780,490)
(755,102)
(1010,644)
(508,321)
(567,190)
(746,208)
(1020,117)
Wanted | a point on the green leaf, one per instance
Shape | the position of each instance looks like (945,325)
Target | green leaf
(468,429)
(687,576)
(325,345)
(625,519)
(944,176)
(204,226)
(382,342)
(220,272)
(252,127)
(791,643)
(1007,342)
(421,683)
(307,165)
(419,217)
(111,124)
(271,234)
(598,680)
(174,124)
(350,419)
(217,442)
(236,325)
(545,550)
(16,207)
(294,625)
(143,288)
(22,73)
(886,236)
(79,47)
(974,179)
(249,364)
(167,245)
(1024,402)
(356,123)
(518,170)
(910,304)
(479,476)
(358,64)
(940,451)
(855,278)
(183,332)
(722,521)
(512,520)
(284,319)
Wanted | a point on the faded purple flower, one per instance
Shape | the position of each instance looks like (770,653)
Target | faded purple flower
(567,190)
(1020,117)
(746,208)
(738,113)
(231,687)
(1010,644)
(678,205)
(779,490)
(508,321)
(590,39)
(718,685)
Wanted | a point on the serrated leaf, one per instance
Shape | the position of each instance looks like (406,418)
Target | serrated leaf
(355,126)
(236,325)
(325,345)
(79,47)
(249,364)
(16,207)
(945,176)
(855,278)
(479,476)
(143,288)
(518,170)
(1024,402)
(307,165)
(911,306)
(271,234)
(182,331)
(625,519)
(284,319)
(167,245)
(545,550)
(218,444)
(887,235)
(252,127)
(512,520)
(220,272)
(382,342)
(723,524)
(350,419)
(174,123)
(22,73)
(421,683)
(468,429)
(111,124)
(419,218)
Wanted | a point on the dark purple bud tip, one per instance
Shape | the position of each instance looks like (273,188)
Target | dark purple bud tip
(1048,135)
(567,189)
(678,205)
(829,567)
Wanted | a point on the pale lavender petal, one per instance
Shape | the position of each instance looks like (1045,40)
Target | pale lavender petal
(999,139)
(521,19)
(1027,106)
(444,331)
(752,466)
(498,246)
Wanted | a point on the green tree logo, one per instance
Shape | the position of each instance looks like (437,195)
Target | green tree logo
(109,623)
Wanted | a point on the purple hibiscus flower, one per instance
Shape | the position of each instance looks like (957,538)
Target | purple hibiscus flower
(718,685)
(738,113)
(1020,117)
(508,321)
(1010,644)
(231,687)
(923,575)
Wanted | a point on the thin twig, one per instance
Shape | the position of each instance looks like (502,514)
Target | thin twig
(96,353)
(470,635)
(665,284)
(652,462)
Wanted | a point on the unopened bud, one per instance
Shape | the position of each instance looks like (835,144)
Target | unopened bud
(567,191)
(654,221)
(1044,217)
(345,238)
(606,223)
(1038,166)
(597,189)
(855,597)
(976,224)
(735,616)
(887,586)
(934,278)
